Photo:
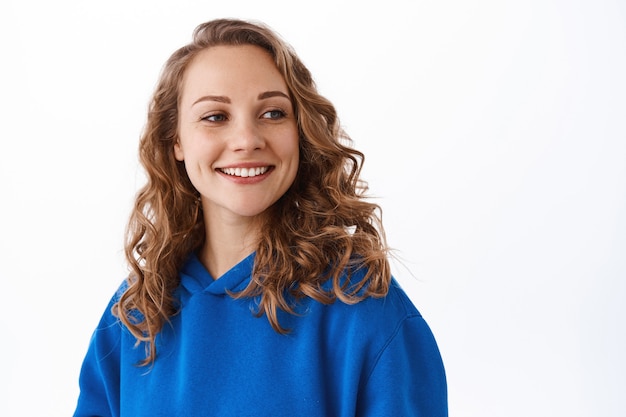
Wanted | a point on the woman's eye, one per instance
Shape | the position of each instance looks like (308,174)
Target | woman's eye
(273,114)
(215,118)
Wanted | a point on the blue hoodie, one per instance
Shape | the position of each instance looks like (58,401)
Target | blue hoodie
(374,358)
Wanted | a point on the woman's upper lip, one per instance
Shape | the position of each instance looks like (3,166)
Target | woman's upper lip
(246,165)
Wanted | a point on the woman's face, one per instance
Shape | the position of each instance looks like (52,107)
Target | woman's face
(238,135)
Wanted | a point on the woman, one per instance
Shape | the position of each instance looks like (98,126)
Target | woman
(254,208)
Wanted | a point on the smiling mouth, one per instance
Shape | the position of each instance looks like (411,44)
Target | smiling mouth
(244,172)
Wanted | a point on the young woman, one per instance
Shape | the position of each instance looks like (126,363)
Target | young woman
(259,283)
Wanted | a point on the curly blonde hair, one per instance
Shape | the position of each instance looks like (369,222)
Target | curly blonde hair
(321,231)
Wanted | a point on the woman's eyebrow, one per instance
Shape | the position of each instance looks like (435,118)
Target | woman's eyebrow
(224,99)
(269,94)
(219,99)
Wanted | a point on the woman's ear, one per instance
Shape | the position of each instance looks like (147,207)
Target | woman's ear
(178,151)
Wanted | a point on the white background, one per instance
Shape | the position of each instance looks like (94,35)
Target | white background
(495,140)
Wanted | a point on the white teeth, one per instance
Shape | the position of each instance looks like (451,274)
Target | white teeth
(245,172)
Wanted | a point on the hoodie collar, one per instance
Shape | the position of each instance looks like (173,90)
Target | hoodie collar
(195,277)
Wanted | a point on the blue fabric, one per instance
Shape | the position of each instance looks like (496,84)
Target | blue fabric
(375,358)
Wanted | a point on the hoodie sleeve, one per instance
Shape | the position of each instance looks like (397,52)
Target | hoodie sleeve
(99,379)
(408,378)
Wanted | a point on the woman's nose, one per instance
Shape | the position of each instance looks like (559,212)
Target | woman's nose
(246,136)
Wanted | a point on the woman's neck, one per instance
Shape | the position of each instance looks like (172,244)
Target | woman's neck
(227,243)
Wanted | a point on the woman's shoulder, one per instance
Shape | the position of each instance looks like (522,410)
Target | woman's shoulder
(377,316)
(395,304)
(121,289)
(377,332)
(109,321)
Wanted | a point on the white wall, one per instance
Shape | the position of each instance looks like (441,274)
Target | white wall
(495,136)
